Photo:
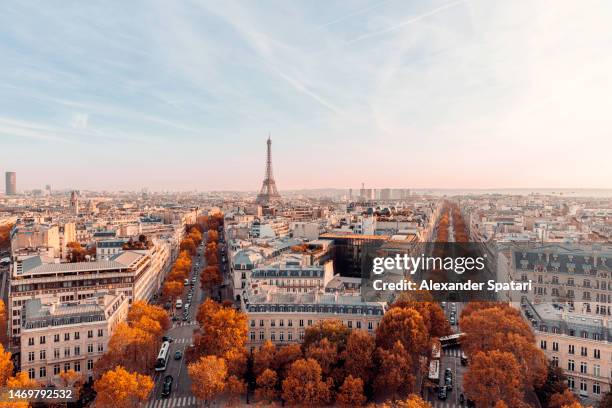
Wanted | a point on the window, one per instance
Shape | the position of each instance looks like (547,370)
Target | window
(252,323)
(66,367)
(301,323)
(583,386)
(596,388)
(570,383)
(570,365)
(89,334)
(66,336)
(66,352)
(77,335)
(570,349)
(272,322)
(43,354)
(583,351)
(290,323)
(596,354)
(43,339)
(77,366)
(350,324)
(89,365)
(261,335)
(555,346)
(90,348)
(261,323)
(100,332)
(282,336)
(56,369)
(370,327)
(289,336)
(282,323)
(56,338)
(252,335)
(31,373)
(555,361)
(31,356)
(543,344)
(596,370)
(42,373)
(100,347)
(583,368)
(31,341)
(358,324)
(309,322)
(56,353)
(77,350)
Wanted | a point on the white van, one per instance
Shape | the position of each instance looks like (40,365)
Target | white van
(179,303)
(186,283)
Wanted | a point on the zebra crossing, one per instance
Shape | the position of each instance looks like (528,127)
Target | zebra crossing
(174,402)
(182,341)
(181,323)
(444,404)
(453,352)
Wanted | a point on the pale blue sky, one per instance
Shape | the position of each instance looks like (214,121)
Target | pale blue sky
(182,94)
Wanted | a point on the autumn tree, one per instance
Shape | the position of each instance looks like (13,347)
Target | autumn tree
(6,366)
(304,385)
(140,309)
(285,356)
(130,347)
(493,370)
(433,316)
(405,325)
(212,236)
(562,399)
(210,277)
(72,379)
(21,380)
(395,371)
(266,386)
(532,361)
(333,330)
(263,357)
(235,388)
(359,355)
(325,353)
(172,290)
(208,376)
(413,401)
(350,393)
(120,388)
(555,383)
(223,329)
(76,252)
(3,324)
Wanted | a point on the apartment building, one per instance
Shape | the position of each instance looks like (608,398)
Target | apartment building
(281,317)
(580,344)
(291,276)
(137,274)
(57,337)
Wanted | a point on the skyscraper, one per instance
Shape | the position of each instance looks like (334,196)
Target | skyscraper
(11,183)
(268,193)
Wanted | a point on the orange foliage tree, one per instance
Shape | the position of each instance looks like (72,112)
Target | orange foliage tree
(120,388)
(395,371)
(208,376)
(304,385)
(350,393)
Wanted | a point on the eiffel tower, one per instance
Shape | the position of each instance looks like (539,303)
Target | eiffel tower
(268,192)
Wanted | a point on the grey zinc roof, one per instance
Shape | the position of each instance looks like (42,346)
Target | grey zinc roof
(119,261)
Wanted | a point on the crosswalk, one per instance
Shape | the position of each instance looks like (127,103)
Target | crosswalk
(182,341)
(181,323)
(453,352)
(444,404)
(174,402)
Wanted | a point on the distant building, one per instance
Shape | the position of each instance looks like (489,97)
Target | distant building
(11,183)
(268,193)
(58,336)
(74,202)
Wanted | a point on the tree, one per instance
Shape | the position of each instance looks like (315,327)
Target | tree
(212,236)
(140,308)
(6,366)
(413,401)
(133,348)
(266,386)
(3,324)
(606,401)
(333,330)
(76,252)
(235,389)
(304,385)
(394,370)
(72,379)
(223,329)
(493,370)
(479,326)
(263,357)
(350,393)
(187,244)
(207,378)
(21,380)
(285,357)
(556,382)
(120,388)
(172,290)
(325,353)
(433,316)
(210,277)
(560,400)
(531,359)
(359,355)
(500,404)
(405,325)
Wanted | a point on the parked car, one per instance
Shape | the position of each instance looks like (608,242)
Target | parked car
(167,387)
(178,355)
(442,393)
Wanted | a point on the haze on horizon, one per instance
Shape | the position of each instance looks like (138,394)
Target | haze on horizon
(181,95)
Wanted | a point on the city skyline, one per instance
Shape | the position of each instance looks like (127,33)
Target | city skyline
(459,94)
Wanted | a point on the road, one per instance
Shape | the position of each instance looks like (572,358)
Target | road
(182,333)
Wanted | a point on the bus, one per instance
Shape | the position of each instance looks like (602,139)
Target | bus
(452,340)
(162,357)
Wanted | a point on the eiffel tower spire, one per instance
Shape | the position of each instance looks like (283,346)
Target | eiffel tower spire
(268,192)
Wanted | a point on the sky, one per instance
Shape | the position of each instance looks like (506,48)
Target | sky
(181,95)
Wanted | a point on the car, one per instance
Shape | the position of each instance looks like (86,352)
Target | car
(452,320)
(187,307)
(194,279)
(464,359)
(448,372)
(167,386)
(448,382)
(443,304)
(186,282)
(178,355)
(185,318)
(167,338)
(442,393)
